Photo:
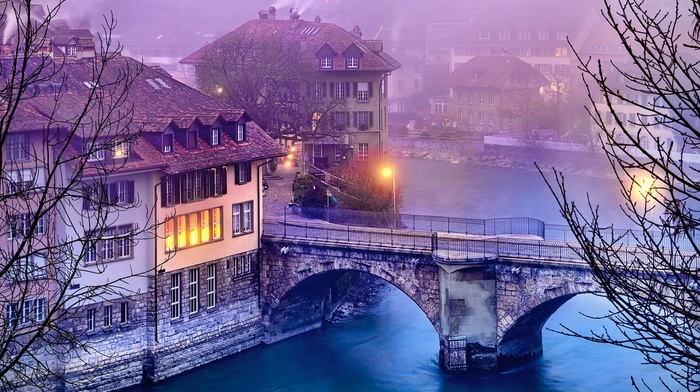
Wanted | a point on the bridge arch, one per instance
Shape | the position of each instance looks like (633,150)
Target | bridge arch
(297,280)
(529,294)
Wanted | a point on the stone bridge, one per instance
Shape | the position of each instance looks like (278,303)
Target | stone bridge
(488,297)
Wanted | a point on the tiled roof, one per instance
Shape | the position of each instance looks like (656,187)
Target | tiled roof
(157,103)
(312,36)
(497,72)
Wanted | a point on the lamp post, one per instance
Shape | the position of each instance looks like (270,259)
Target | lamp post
(390,171)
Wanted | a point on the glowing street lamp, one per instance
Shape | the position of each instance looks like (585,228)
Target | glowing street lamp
(391,172)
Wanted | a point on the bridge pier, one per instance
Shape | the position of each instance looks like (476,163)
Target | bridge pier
(468,320)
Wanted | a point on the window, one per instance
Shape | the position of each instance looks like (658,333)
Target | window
(326,62)
(440,106)
(363,92)
(39,309)
(28,268)
(18,147)
(175,305)
(240,132)
(168,191)
(504,35)
(91,319)
(341,119)
(167,143)
(364,120)
(400,85)
(107,313)
(119,192)
(124,313)
(192,140)
(561,52)
(319,91)
(29,311)
(340,90)
(481,98)
(243,218)
(484,35)
(471,98)
(491,119)
(96,153)
(194,291)
(471,118)
(211,285)
(243,173)
(561,35)
(192,229)
(363,151)
(525,51)
(317,150)
(352,62)
(121,150)
(71,50)
(24,180)
(243,265)
(460,97)
(524,35)
(113,243)
(198,185)
(215,136)
(481,118)
(543,35)
(492,99)
(19,226)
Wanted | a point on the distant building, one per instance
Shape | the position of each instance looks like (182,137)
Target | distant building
(349,69)
(494,93)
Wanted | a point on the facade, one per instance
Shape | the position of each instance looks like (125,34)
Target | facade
(164,219)
(495,93)
(349,70)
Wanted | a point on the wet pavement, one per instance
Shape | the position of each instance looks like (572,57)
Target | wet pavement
(279,192)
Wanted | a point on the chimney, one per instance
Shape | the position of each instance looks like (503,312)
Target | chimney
(317,19)
(357,32)
(294,17)
(272,13)
(263,15)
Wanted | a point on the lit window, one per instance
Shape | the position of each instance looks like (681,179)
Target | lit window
(216,223)
(169,235)
(121,150)
(181,231)
(561,52)
(204,224)
(193,229)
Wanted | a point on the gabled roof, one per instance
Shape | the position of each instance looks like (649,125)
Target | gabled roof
(500,72)
(157,102)
(311,36)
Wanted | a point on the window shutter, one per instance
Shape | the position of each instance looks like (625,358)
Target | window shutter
(112,193)
(176,188)
(369,87)
(332,93)
(354,119)
(354,89)
(224,180)
(347,118)
(208,180)
(86,199)
(163,180)
(371,119)
(347,89)
(248,172)
(325,90)
(237,173)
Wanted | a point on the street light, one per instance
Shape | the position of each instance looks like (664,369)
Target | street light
(391,172)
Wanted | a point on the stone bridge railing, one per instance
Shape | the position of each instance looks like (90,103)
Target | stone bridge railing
(445,247)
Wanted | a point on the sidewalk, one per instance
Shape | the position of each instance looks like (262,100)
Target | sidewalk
(279,193)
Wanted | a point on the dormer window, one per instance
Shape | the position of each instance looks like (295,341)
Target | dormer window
(326,62)
(71,51)
(215,136)
(240,132)
(167,143)
(97,153)
(352,62)
(192,140)
(121,150)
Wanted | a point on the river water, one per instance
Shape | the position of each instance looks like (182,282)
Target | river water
(391,346)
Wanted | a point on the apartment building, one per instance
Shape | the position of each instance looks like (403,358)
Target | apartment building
(350,70)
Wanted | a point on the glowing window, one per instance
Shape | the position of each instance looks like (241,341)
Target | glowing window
(204,223)
(216,223)
(181,231)
(193,228)
(169,235)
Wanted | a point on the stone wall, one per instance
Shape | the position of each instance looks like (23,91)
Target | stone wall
(232,325)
